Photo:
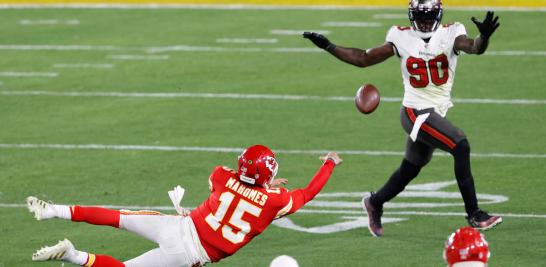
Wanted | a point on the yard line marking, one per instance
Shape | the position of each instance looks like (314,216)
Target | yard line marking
(49,22)
(351,24)
(515,53)
(247,40)
(61,47)
(83,65)
(297,32)
(249,7)
(191,48)
(308,211)
(239,150)
(390,16)
(28,74)
(259,96)
(139,57)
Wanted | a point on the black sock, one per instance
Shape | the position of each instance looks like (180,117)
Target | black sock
(396,184)
(465,181)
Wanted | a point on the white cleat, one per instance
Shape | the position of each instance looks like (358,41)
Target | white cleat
(41,209)
(58,252)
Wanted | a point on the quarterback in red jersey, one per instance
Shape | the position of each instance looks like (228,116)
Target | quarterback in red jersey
(241,205)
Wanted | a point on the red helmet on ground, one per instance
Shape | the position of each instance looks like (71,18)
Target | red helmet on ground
(466,247)
(257,166)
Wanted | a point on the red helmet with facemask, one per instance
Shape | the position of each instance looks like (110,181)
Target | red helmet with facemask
(466,245)
(257,166)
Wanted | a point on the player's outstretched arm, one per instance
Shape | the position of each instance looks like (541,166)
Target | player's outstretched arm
(478,46)
(354,56)
(304,195)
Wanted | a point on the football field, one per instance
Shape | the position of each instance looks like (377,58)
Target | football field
(116,106)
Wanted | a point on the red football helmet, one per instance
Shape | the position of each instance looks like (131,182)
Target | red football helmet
(257,166)
(464,246)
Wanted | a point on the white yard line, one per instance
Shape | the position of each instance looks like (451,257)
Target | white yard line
(390,16)
(139,57)
(258,96)
(62,47)
(307,211)
(248,40)
(239,150)
(83,66)
(246,7)
(191,48)
(296,32)
(48,22)
(28,74)
(351,24)
(515,53)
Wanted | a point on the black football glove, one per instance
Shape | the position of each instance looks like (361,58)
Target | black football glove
(319,40)
(488,26)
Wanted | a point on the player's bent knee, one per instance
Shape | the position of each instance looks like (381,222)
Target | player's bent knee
(409,169)
(461,148)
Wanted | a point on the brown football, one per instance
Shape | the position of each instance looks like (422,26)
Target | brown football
(367,98)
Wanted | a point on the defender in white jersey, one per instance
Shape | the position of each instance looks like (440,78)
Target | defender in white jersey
(428,53)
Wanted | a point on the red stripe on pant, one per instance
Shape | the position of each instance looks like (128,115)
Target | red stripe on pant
(428,129)
(99,260)
(95,215)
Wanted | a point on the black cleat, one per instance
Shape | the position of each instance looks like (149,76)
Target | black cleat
(374,216)
(483,221)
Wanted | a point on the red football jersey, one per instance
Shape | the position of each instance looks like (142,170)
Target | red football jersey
(236,212)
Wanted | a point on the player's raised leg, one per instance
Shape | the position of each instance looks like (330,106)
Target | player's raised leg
(43,210)
(418,154)
(65,251)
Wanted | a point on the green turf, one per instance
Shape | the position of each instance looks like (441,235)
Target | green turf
(143,177)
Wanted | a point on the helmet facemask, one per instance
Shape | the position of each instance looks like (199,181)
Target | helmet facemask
(425,16)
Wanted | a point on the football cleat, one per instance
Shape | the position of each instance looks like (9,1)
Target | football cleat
(483,221)
(374,216)
(60,251)
(41,209)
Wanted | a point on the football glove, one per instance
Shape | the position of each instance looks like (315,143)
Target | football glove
(488,26)
(319,40)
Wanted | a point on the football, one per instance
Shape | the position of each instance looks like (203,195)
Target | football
(367,98)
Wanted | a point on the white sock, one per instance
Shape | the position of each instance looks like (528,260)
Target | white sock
(76,257)
(62,211)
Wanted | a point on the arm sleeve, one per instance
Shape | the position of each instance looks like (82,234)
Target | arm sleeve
(391,38)
(300,197)
(391,35)
(459,29)
(211,178)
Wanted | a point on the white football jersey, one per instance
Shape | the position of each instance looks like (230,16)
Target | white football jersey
(428,69)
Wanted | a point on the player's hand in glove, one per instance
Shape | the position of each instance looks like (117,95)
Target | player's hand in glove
(333,156)
(488,26)
(319,40)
